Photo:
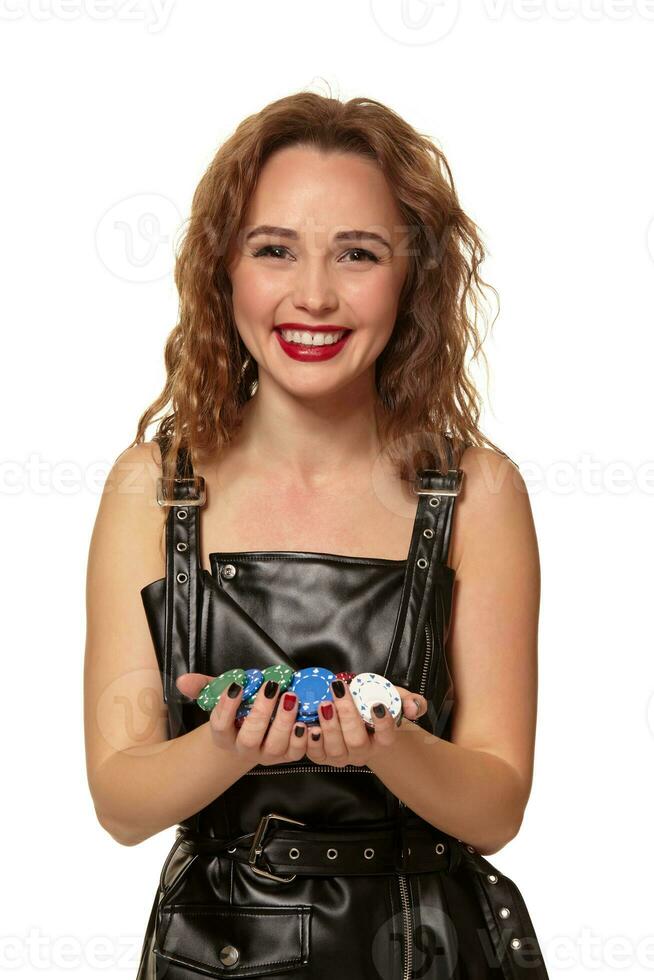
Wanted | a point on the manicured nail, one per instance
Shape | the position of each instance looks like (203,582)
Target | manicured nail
(299,730)
(289,701)
(233,690)
(379,710)
(270,690)
(338,687)
(417,703)
(315,736)
(327,710)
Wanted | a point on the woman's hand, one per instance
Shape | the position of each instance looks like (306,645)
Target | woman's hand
(344,739)
(257,740)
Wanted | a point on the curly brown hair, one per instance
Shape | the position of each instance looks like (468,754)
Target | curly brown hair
(426,395)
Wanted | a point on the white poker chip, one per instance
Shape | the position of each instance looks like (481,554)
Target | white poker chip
(368,689)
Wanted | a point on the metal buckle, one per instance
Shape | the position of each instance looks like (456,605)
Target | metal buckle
(257,845)
(197,482)
(441,493)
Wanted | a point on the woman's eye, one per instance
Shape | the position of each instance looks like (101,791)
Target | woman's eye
(364,252)
(279,252)
(269,249)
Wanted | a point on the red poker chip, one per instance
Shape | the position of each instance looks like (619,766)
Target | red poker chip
(346,676)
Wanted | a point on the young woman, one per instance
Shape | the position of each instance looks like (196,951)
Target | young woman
(322,433)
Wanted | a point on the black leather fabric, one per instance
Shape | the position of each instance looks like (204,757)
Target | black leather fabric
(358,885)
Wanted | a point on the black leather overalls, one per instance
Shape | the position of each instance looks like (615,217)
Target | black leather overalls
(344,881)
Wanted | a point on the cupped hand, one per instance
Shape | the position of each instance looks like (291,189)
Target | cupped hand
(258,741)
(345,739)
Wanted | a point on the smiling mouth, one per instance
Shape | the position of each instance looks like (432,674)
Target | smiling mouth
(310,338)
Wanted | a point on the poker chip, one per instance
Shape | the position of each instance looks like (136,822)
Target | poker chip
(368,689)
(280,673)
(312,685)
(253,683)
(210,693)
(308,719)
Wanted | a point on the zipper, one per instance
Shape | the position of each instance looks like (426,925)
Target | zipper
(407,971)
(312,768)
(429,648)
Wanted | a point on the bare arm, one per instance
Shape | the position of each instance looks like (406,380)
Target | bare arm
(140,782)
(476,787)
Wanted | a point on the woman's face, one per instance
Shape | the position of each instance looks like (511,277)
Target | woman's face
(321,246)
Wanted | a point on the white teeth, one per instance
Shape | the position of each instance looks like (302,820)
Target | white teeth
(312,339)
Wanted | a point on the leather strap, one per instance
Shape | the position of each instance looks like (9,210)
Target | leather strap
(428,553)
(393,847)
(183,566)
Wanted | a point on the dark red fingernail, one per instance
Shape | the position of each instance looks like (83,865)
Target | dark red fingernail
(299,730)
(289,701)
(338,688)
(327,711)
(315,736)
(379,710)
(233,690)
(270,690)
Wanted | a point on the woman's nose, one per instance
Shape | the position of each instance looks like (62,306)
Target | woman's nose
(313,289)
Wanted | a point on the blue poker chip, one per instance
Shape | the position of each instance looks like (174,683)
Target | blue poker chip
(311,686)
(368,689)
(254,680)
(307,719)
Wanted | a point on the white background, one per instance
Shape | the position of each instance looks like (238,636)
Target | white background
(111,112)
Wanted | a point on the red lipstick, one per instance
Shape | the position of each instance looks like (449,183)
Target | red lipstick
(309,352)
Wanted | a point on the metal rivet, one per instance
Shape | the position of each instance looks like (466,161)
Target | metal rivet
(228,571)
(294,853)
(369,852)
(229,955)
(440,848)
(492,878)
(516,944)
(428,533)
(434,501)
(504,913)
(470,848)
(182,546)
(332,853)
(422,563)
(230,850)
(182,514)
(182,577)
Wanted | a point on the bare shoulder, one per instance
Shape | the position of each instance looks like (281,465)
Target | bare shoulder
(493,510)
(129,524)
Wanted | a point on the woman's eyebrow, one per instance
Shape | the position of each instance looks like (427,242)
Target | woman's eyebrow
(342,236)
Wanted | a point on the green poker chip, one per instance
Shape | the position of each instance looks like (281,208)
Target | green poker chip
(210,693)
